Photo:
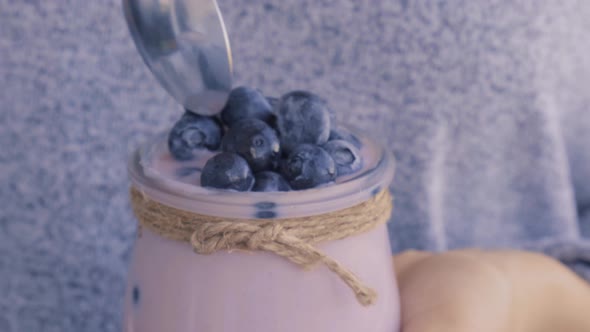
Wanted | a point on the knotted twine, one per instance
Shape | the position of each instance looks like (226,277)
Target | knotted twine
(291,238)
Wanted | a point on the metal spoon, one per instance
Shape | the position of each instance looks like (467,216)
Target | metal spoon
(185,45)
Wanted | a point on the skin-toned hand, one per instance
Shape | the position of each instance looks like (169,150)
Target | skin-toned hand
(490,291)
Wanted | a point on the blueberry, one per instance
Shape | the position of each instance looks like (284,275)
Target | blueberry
(346,135)
(345,155)
(270,181)
(256,142)
(227,171)
(308,166)
(191,133)
(303,118)
(265,214)
(136,295)
(244,103)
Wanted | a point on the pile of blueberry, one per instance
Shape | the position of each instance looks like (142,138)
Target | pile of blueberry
(267,144)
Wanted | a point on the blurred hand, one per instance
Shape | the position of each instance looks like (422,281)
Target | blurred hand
(490,291)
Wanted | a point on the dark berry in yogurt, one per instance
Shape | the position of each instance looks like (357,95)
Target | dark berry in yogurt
(308,166)
(345,155)
(256,142)
(227,170)
(270,181)
(246,103)
(269,145)
(194,132)
(302,118)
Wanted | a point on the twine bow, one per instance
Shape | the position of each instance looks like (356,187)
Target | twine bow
(291,238)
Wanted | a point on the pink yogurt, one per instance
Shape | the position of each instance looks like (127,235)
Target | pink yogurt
(172,289)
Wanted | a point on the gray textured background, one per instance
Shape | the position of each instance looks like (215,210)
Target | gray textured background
(484,103)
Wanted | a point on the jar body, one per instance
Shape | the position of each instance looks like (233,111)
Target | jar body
(171,288)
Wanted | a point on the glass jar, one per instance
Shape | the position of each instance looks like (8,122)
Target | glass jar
(173,289)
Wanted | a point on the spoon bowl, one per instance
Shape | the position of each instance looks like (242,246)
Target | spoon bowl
(185,45)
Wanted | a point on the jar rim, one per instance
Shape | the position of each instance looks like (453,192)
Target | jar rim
(258,205)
